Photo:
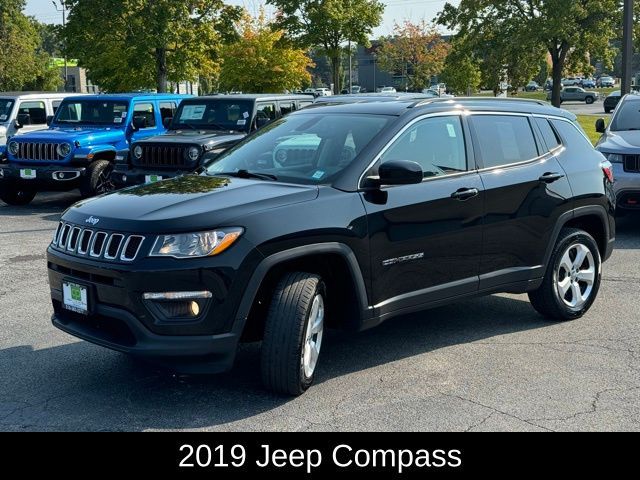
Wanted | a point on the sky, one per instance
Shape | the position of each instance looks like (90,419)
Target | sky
(395,11)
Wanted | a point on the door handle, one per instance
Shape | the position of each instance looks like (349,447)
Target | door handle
(463,194)
(551,177)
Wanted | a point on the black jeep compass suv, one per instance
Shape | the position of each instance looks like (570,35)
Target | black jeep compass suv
(338,216)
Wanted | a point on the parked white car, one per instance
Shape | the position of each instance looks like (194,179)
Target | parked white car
(22,112)
(388,90)
(323,92)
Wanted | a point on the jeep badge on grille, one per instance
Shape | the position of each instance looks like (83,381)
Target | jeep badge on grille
(92,220)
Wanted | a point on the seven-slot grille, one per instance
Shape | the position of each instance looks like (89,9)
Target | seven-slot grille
(38,151)
(93,243)
(165,156)
(632,163)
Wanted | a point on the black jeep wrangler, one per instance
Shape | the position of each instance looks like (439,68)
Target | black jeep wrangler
(340,216)
(202,128)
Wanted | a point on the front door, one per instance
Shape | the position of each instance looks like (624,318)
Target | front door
(426,238)
(32,115)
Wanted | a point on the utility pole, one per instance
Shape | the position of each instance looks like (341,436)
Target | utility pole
(350,73)
(63,8)
(627,46)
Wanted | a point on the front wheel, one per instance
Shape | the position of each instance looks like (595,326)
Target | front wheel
(98,179)
(12,195)
(607,110)
(293,333)
(572,280)
(589,100)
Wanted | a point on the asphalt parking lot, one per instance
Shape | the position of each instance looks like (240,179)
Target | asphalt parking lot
(483,364)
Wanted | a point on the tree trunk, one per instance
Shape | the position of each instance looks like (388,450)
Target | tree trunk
(556,75)
(335,71)
(161,70)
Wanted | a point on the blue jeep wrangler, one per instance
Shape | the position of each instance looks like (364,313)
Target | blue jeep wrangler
(85,138)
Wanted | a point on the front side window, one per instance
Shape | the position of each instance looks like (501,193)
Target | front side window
(266,111)
(33,113)
(214,115)
(435,143)
(503,139)
(55,104)
(627,117)
(287,107)
(147,111)
(167,110)
(6,106)
(92,112)
(309,149)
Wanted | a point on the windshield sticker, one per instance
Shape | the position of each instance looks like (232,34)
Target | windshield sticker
(413,135)
(117,120)
(3,118)
(318,175)
(242,122)
(193,112)
(451,130)
(245,114)
(124,114)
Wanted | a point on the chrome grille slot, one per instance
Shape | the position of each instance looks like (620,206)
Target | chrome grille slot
(72,243)
(64,234)
(632,163)
(38,151)
(131,248)
(85,242)
(113,246)
(98,244)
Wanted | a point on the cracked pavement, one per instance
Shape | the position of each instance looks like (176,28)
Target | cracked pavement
(485,364)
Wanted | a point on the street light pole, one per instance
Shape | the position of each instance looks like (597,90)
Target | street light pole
(627,46)
(63,9)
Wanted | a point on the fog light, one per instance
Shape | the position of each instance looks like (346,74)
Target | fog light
(195,309)
(124,178)
(60,175)
(177,305)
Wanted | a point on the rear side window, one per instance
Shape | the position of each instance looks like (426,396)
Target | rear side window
(548,134)
(287,107)
(145,110)
(167,110)
(267,111)
(503,139)
(572,135)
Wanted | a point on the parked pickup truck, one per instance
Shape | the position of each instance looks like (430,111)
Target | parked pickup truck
(85,137)
(202,128)
(576,94)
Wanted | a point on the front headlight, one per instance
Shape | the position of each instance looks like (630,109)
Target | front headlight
(195,245)
(614,157)
(13,148)
(194,153)
(137,152)
(64,149)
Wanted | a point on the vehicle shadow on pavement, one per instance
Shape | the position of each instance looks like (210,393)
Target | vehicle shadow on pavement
(628,231)
(79,386)
(44,203)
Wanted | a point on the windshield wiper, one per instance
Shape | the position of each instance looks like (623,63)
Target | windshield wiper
(246,174)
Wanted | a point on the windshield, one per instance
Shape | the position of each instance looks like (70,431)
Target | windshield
(309,148)
(627,117)
(92,112)
(6,106)
(214,115)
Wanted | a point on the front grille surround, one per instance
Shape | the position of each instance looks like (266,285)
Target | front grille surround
(99,245)
(38,151)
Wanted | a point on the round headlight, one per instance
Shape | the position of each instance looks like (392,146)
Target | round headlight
(137,152)
(64,149)
(13,148)
(194,153)
(281,156)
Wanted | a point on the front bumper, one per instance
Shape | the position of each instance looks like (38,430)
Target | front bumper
(123,176)
(48,177)
(626,187)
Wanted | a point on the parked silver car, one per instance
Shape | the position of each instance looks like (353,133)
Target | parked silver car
(620,143)
(576,94)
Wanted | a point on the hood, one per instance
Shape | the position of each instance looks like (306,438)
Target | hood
(627,141)
(185,204)
(200,137)
(84,135)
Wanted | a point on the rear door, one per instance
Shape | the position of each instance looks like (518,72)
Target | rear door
(526,190)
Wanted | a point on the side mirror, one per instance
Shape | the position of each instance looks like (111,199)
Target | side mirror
(139,122)
(166,122)
(400,172)
(49,119)
(600,126)
(262,121)
(23,119)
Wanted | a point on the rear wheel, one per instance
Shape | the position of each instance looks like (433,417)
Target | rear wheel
(98,179)
(572,280)
(12,195)
(293,333)
(589,100)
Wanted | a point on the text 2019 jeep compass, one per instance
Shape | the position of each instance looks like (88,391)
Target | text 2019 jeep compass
(339,216)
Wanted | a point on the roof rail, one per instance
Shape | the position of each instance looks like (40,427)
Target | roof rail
(427,101)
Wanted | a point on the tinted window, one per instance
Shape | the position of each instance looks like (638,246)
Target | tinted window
(36,111)
(267,110)
(92,112)
(627,117)
(436,144)
(287,107)
(145,110)
(503,140)
(572,135)
(548,134)
(310,149)
(214,115)
(167,110)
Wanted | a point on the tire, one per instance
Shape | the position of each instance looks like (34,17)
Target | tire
(579,295)
(607,110)
(98,179)
(297,308)
(11,195)
(589,100)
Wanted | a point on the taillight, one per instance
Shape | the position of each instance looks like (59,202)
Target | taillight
(607,169)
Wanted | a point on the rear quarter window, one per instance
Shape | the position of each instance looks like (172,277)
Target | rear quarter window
(548,133)
(572,136)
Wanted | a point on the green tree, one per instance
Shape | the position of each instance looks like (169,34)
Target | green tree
(414,50)
(259,62)
(461,72)
(328,24)
(133,44)
(569,30)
